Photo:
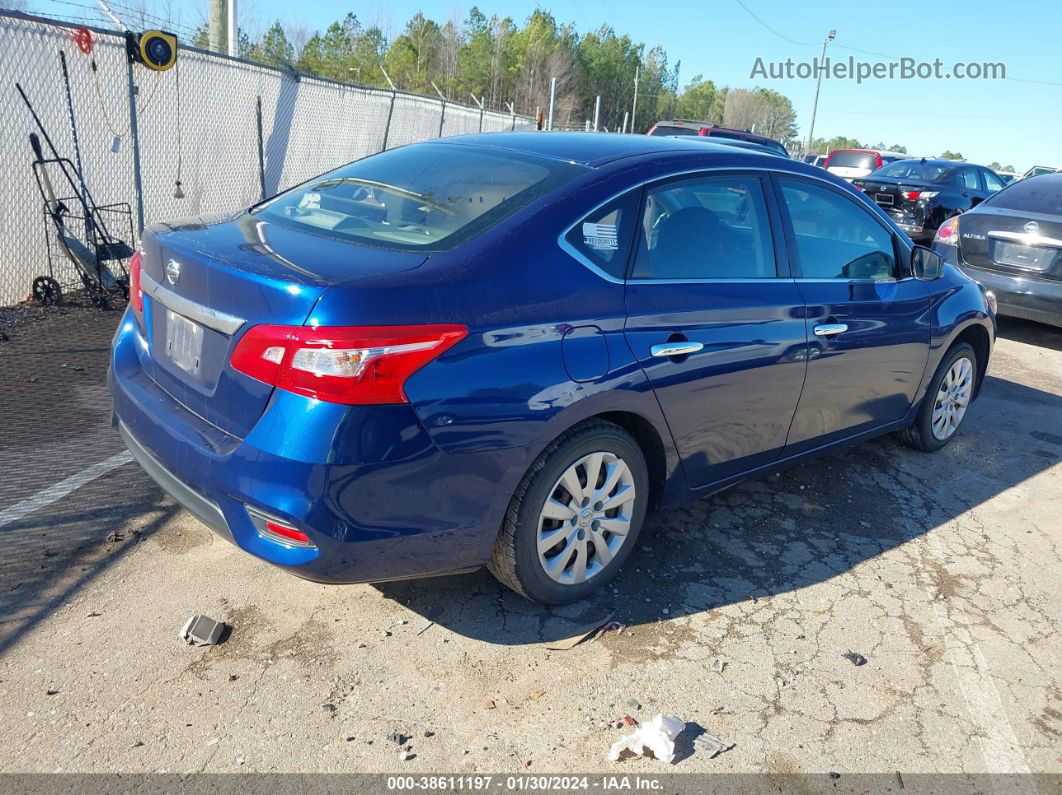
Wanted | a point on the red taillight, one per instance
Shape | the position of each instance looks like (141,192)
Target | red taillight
(355,365)
(911,194)
(948,232)
(858,186)
(136,293)
(878,162)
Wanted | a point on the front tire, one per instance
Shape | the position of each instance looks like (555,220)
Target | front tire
(575,517)
(946,400)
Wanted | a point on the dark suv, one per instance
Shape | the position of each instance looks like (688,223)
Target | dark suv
(677,127)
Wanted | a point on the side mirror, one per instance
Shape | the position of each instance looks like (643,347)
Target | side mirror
(926,264)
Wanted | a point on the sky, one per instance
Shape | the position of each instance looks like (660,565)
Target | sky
(1010,121)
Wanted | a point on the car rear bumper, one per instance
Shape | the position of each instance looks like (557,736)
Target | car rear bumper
(1039,300)
(376,497)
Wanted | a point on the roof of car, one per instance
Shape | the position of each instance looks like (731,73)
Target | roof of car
(590,149)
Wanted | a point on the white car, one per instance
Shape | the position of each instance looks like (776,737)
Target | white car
(850,164)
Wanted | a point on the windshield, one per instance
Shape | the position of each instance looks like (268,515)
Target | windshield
(423,197)
(924,172)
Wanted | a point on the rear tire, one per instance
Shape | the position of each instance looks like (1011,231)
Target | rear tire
(575,517)
(946,401)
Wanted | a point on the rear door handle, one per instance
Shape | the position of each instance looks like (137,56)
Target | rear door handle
(676,349)
(829,329)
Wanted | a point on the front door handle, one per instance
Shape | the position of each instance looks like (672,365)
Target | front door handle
(829,329)
(669,349)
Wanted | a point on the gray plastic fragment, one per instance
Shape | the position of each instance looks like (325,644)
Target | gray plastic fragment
(202,631)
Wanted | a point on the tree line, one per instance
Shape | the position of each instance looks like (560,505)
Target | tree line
(500,61)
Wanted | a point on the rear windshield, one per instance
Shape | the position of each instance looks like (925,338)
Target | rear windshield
(667,129)
(925,172)
(853,160)
(422,197)
(1030,195)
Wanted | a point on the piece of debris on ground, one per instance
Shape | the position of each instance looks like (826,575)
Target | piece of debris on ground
(579,635)
(202,631)
(855,657)
(713,746)
(656,736)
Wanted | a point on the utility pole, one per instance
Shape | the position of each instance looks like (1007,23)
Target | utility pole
(552,100)
(634,110)
(233,29)
(818,84)
(219,21)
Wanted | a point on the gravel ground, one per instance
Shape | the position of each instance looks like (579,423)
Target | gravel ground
(942,571)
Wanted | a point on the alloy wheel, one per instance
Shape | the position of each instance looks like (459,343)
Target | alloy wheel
(953,398)
(586,518)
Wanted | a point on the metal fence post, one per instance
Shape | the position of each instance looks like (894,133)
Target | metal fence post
(442,115)
(261,149)
(387,126)
(512,113)
(480,103)
(552,99)
(134,132)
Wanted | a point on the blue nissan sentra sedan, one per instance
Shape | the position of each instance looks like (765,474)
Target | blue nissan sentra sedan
(504,349)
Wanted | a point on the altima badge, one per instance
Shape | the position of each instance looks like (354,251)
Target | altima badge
(173,271)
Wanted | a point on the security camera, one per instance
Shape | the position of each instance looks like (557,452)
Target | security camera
(155,49)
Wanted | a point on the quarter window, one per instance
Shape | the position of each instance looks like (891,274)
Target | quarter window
(970,179)
(705,228)
(835,238)
(604,236)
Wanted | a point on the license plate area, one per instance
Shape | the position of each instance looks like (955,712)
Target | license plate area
(184,342)
(1018,255)
(884,199)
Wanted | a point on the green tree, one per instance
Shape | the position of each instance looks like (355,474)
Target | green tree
(274,48)
(947,154)
(410,56)
(701,101)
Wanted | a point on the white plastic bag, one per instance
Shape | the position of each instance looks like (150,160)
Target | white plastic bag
(658,735)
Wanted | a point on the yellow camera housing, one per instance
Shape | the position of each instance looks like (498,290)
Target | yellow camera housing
(157,49)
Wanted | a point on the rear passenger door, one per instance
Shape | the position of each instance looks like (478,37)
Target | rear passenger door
(716,321)
(868,320)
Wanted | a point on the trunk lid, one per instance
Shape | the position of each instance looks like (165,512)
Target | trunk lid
(208,280)
(1012,241)
(888,194)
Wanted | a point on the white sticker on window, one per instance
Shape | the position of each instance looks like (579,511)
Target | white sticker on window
(601,237)
(310,201)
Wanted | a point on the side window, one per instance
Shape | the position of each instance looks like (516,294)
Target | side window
(992,182)
(970,179)
(705,228)
(835,237)
(604,236)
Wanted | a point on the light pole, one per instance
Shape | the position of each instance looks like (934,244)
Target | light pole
(818,84)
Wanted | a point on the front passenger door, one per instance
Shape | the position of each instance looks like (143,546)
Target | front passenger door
(868,320)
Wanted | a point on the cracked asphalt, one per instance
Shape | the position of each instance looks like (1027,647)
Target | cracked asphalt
(943,571)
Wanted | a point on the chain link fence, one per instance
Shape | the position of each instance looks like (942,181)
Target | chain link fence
(229,130)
